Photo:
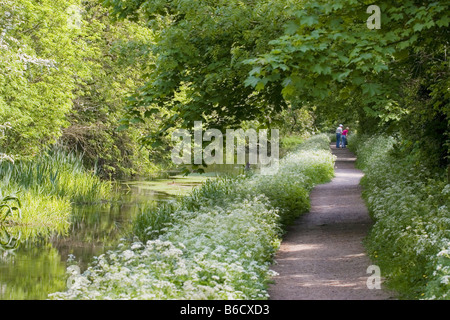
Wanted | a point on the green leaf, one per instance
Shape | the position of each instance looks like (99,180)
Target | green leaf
(252,81)
(259,86)
(148,113)
(122,127)
(357,80)
(291,27)
(443,22)
(137,120)
(371,88)
(288,90)
(418,27)
(309,20)
(321,69)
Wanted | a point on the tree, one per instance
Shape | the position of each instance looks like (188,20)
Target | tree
(38,58)
(236,61)
(396,77)
(200,48)
(64,70)
(117,59)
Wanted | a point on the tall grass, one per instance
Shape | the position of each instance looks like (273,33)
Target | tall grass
(290,142)
(41,216)
(46,187)
(55,173)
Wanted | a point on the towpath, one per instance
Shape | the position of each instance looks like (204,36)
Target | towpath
(322,256)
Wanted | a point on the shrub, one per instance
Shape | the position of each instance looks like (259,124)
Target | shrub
(290,142)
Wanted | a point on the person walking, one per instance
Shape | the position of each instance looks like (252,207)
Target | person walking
(338,135)
(344,138)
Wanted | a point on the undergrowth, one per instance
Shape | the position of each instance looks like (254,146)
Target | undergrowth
(216,243)
(410,239)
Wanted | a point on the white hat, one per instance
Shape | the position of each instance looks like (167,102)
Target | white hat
(340,125)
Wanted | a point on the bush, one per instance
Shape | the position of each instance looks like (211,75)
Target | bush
(290,142)
(216,243)
(410,238)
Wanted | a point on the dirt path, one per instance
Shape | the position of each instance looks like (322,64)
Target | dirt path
(322,256)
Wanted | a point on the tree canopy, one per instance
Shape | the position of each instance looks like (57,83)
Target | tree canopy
(396,77)
(65,68)
(232,61)
(64,73)
(200,50)
(38,56)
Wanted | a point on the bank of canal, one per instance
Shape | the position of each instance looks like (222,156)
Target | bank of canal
(38,266)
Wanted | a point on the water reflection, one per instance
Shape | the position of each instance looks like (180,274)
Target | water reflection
(31,273)
(37,267)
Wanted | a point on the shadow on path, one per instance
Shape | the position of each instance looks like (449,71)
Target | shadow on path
(322,256)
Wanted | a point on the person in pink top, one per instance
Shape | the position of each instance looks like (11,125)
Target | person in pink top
(344,137)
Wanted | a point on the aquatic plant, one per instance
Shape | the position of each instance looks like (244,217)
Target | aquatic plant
(57,173)
(46,186)
(8,206)
(8,241)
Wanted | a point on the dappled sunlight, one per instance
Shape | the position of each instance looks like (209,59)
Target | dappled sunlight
(302,247)
(176,148)
(323,257)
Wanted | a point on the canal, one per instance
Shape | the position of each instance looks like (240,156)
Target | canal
(38,266)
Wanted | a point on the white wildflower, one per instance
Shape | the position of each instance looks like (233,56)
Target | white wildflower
(128,254)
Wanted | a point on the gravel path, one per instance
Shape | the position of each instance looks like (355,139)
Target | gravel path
(322,256)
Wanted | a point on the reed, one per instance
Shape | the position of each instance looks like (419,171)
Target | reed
(55,173)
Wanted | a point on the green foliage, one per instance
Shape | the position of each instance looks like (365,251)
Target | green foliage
(46,186)
(56,173)
(3,128)
(41,212)
(199,70)
(63,81)
(301,65)
(7,241)
(215,243)
(395,77)
(301,170)
(38,61)
(151,222)
(290,142)
(117,61)
(41,216)
(287,190)
(410,206)
(229,61)
(8,206)
(26,216)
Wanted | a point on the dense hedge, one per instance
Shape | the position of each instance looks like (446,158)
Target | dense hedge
(410,239)
(216,243)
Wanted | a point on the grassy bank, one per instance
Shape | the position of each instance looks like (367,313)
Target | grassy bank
(46,186)
(410,239)
(217,242)
(55,173)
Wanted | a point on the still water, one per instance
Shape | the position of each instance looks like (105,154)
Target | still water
(38,267)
